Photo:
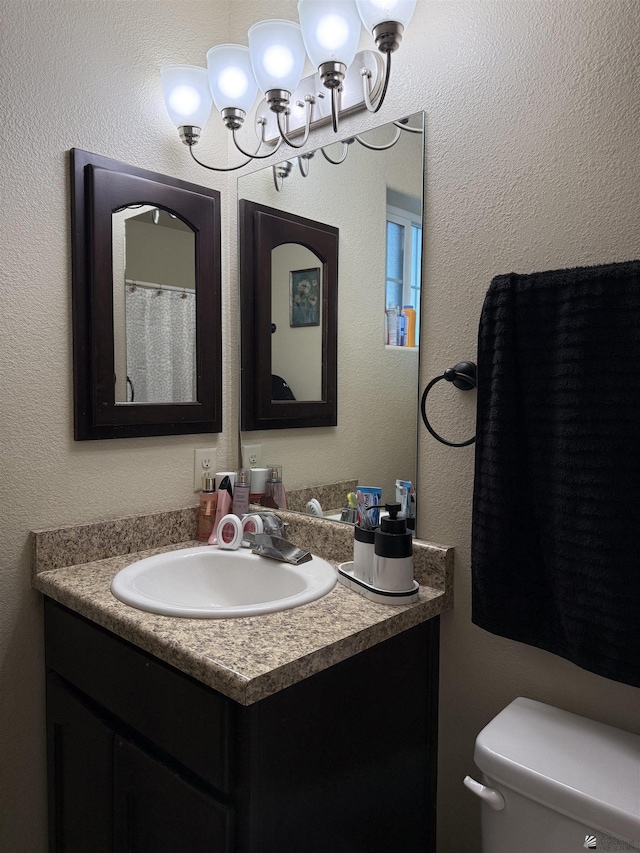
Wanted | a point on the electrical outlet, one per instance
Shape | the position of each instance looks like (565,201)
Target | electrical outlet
(205,462)
(251,455)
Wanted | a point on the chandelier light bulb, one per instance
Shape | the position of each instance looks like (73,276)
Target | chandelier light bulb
(231,79)
(277,55)
(184,100)
(233,83)
(278,61)
(186,94)
(332,32)
(376,12)
(330,29)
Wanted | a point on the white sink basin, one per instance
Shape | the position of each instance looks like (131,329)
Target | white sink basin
(209,583)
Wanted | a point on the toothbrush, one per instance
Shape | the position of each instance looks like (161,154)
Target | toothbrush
(365,524)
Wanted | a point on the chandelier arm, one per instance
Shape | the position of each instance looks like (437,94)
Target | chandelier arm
(309,101)
(379,147)
(255,156)
(302,171)
(366,83)
(335,110)
(345,151)
(407,127)
(216,168)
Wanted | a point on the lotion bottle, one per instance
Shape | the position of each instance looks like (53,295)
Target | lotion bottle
(410,313)
(223,507)
(207,509)
(393,553)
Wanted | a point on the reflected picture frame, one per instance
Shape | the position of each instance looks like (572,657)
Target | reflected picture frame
(305,297)
(263,229)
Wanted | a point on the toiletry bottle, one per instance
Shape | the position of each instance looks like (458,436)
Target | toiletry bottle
(241,493)
(207,509)
(392,325)
(258,484)
(223,507)
(363,543)
(410,313)
(402,328)
(275,495)
(393,553)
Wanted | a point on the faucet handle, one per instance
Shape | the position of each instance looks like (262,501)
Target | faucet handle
(271,522)
(267,545)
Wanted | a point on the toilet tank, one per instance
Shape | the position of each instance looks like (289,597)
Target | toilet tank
(568,783)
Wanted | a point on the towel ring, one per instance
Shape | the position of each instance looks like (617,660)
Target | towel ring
(463,376)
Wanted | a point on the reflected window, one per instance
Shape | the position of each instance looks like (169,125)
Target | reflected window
(404,265)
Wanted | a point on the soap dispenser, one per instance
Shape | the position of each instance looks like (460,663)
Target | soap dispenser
(393,553)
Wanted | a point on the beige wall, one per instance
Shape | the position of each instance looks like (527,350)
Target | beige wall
(533,124)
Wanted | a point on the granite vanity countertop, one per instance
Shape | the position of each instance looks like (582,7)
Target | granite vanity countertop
(249,658)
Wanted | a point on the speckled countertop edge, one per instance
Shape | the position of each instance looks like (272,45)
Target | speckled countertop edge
(238,657)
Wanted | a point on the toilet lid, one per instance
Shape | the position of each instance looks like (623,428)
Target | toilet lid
(583,769)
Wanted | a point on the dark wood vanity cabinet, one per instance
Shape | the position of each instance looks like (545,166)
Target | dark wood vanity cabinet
(144,759)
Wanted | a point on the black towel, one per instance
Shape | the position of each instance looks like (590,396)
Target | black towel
(556,505)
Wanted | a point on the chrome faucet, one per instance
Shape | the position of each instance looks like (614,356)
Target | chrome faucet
(278,548)
(273,543)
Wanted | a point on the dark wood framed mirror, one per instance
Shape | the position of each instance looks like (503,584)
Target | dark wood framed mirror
(147,345)
(289,304)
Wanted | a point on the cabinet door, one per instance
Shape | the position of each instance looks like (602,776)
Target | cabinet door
(80,761)
(157,810)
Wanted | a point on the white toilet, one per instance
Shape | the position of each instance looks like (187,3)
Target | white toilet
(555,782)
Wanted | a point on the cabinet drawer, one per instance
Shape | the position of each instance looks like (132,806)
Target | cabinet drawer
(178,714)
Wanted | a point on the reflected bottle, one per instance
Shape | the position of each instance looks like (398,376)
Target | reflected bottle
(275,495)
(392,325)
(241,493)
(409,312)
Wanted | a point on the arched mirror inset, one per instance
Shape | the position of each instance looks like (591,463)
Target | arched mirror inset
(154,306)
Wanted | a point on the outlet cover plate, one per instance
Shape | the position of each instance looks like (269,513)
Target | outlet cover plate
(205,462)
(251,455)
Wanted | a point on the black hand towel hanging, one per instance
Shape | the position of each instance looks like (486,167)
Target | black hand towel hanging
(556,514)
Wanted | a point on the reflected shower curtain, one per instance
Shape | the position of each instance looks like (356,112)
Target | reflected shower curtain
(161,345)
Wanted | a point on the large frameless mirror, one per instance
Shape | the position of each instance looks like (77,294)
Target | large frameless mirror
(370,189)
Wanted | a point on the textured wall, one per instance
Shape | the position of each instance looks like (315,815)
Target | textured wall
(531,164)
(532,141)
(76,73)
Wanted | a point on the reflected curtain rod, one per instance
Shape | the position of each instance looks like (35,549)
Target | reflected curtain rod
(152,285)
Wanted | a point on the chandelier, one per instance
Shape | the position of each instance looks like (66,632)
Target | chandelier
(328,33)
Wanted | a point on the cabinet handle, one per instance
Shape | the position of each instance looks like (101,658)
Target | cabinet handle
(492,798)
